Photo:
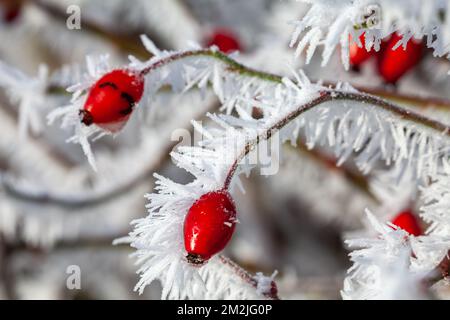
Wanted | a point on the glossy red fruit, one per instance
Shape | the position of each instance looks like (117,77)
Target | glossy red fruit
(358,55)
(393,64)
(407,221)
(209,225)
(112,99)
(226,40)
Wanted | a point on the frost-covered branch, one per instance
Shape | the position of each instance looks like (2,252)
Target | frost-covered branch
(234,84)
(28,93)
(329,95)
(124,42)
(232,66)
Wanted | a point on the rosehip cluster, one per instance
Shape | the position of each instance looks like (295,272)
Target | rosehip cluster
(391,64)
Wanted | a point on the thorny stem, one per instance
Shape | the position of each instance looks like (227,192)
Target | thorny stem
(329,95)
(248,278)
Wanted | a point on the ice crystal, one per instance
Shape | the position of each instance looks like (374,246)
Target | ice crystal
(28,93)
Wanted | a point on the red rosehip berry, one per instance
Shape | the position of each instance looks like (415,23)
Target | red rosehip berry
(209,225)
(112,99)
(10,9)
(358,55)
(407,221)
(393,64)
(226,40)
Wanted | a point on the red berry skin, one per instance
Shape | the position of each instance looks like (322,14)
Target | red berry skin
(393,64)
(358,55)
(112,98)
(226,40)
(209,225)
(11,15)
(10,10)
(407,221)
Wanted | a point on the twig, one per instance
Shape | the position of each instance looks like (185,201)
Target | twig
(329,95)
(248,278)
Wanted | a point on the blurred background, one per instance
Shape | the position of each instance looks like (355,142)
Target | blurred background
(55,212)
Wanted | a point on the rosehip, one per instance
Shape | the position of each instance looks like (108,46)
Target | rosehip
(10,9)
(226,40)
(358,55)
(112,99)
(209,225)
(393,64)
(407,221)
